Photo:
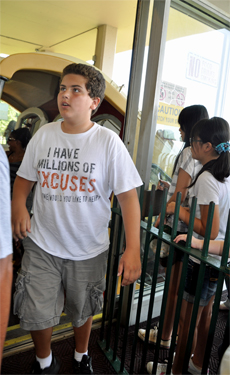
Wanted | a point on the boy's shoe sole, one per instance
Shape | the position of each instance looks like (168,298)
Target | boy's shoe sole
(83,367)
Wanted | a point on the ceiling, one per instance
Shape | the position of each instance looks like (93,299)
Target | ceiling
(70,27)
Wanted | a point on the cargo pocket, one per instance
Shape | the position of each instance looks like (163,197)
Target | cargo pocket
(20,293)
(94,298)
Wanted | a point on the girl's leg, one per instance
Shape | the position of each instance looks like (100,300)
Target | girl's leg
(184,326)
(171,300)
(202,334)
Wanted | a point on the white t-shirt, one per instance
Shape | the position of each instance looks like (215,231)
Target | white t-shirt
(207,189)
(76,174)
(5,207)
(192,167)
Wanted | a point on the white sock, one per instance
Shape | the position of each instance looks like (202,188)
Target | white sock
(45,362)
(78,356)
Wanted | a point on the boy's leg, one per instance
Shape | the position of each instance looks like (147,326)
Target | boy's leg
(42,342)
(82,335)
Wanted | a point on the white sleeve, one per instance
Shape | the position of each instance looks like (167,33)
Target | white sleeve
(206,189)
(123,175)
(186,162)
(5,208)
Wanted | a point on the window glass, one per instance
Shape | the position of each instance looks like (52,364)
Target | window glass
(8,119)
(195,71)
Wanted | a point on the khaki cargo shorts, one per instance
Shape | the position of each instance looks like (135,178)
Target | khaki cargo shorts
(44,279)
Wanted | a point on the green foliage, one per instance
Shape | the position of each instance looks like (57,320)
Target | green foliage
(12,115)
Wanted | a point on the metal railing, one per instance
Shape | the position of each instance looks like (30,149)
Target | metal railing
(113,304)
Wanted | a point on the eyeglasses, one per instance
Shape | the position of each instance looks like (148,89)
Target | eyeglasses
(11,139)
(192,140)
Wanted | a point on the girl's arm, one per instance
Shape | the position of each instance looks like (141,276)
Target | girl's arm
(183,181)
(215,247)
(199,224)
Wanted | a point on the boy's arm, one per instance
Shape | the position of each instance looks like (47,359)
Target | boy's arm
(20,215)
(130,263)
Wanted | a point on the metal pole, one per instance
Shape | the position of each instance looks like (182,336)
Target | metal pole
(138,51)
(152,88)
(2,83)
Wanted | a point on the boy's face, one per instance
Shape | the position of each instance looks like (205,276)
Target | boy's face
(74,102)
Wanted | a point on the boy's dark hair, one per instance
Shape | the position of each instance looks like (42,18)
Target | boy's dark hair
(23,135)
(215,130)
(188,117)
(95,80)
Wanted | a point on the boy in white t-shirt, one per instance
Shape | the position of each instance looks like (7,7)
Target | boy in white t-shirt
(76,164)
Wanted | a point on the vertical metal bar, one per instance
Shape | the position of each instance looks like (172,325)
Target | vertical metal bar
(199,286)
(126,328)
(152,87)
(215,310)
(2,83)
(141,290)
(113,289)
(181,286)
(108,274)
(118,324)
(167,280)
(154,280)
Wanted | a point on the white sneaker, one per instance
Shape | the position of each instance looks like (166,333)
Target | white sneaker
(225,305)
(153,337)
(193,369)
(161,368)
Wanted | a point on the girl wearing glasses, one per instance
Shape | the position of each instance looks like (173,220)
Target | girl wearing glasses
(209,145)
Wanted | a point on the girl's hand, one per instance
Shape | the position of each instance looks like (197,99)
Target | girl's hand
(196,244)
(162,184)
(170,209)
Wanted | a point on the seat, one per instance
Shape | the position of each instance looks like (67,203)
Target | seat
(33,118)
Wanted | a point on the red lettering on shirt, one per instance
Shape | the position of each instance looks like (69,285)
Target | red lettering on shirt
(91,184)
(82,184)
(53,176)
(45,181)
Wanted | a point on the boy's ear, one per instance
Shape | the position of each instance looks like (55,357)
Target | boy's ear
(95,103)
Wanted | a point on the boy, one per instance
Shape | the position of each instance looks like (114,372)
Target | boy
(76,164)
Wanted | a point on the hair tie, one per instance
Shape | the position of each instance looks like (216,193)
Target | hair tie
(222,147)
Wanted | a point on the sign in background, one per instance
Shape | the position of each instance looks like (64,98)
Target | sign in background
(172,99)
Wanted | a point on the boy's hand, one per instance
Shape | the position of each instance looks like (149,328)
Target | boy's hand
(20,221)
(130,266)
